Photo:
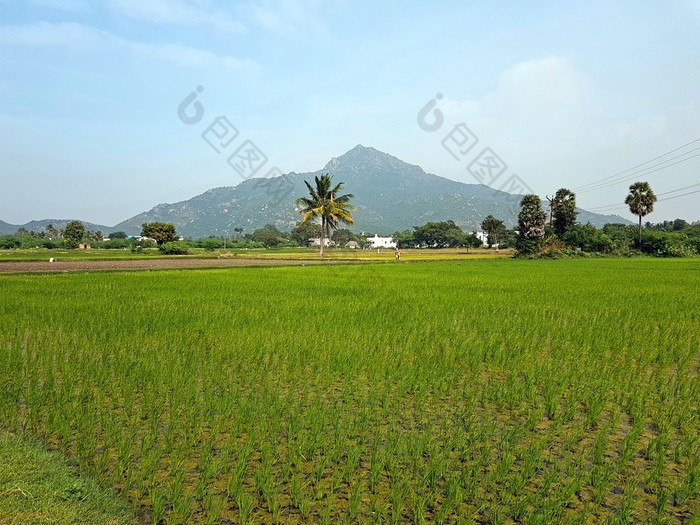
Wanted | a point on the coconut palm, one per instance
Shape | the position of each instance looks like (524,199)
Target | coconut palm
(641,202)
(324,202)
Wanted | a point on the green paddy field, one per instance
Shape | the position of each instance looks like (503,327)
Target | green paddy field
(463,391)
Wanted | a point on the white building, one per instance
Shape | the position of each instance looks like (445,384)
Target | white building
(381,242)
(482,237)
(317,242)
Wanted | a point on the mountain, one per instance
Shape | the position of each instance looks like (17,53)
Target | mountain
(42,225)
(7,229)
(390,195)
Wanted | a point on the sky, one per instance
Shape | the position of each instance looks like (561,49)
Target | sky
(109,108)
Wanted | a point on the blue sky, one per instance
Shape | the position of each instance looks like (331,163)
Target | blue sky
(565,93)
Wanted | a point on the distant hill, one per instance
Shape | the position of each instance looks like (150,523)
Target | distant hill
(390,196)
(42,225)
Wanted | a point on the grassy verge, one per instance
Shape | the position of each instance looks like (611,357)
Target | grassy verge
(38,487)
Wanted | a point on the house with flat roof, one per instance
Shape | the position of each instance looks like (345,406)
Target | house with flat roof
(381,242)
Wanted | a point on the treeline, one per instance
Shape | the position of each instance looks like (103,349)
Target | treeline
(563,235)
(537,234)
(70,238)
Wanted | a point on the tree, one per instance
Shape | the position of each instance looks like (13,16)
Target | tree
(438,234)
(470,240)
(326,204)
(304,231)
(117,235)
(269,235)
(342,236)
(161,232)
(494,228)
(74,232)
(91,236)
(53,232)
(563,211)
(641,202)
(531,222)
(404,239)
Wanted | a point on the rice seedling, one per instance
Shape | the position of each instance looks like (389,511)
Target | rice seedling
(439,392)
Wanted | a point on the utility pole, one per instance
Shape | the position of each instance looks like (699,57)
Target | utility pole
(551,203)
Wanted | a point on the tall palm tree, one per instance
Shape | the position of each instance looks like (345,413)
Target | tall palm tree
(641,202)
(324,202)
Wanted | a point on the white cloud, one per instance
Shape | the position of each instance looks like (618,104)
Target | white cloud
(176,12)
(551,126)
(536,105)
(78,37)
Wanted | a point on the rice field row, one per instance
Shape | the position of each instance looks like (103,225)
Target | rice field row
(453,392)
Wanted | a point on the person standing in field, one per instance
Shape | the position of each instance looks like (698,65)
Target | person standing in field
(398,253)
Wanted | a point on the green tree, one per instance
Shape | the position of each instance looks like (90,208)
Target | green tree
(304,231)
(52,231)
(117,235)
(588,238)
(472,241)
(531,222)
(74,232)
(494,228)
(161,232)
(8,242)
(342,236)
(91,236)
(641,202)
(324,202)
(563,211)
(404,239)
(269,235)
(442,234)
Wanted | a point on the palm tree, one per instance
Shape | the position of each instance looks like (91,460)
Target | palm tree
(325,203)
(641,202)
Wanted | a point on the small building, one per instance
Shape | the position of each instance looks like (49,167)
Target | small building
(482,237)
(317,242)
(84,246)
(381,242)
(353,245)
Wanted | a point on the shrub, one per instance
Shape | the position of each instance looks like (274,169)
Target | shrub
(174,248)
(589,239)
(666,244)
(209,244)
(7,243)
(114,244)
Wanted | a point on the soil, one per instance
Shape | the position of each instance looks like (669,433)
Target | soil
(144,264)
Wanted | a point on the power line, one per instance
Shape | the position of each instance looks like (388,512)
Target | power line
(676,196)
(645,171)
(610,207)
(637,166)
(679,189)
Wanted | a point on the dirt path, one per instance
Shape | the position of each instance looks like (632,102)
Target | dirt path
(145,264)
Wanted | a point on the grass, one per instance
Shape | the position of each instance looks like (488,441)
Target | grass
(484,390)
(383,255)
(44,254)
(39,487)
(333,254)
